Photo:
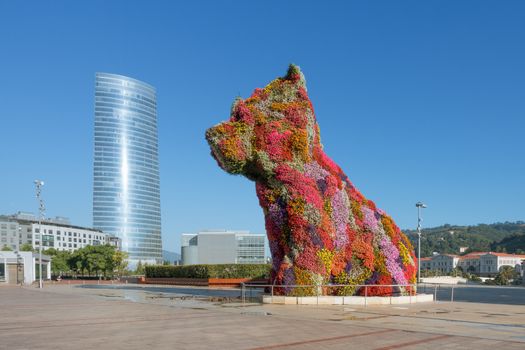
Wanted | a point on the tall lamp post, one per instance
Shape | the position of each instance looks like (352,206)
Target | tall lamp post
(41,212)
(419,206)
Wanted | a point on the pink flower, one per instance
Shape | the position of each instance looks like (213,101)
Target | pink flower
(314,171)
(370,219)
(391,254)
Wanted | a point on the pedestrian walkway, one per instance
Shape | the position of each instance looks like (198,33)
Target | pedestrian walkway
(69,317)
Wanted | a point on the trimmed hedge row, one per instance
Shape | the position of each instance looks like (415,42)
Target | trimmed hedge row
(209,271)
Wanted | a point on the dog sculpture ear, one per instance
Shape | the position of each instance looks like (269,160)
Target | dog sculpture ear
(294,74)
(240,112)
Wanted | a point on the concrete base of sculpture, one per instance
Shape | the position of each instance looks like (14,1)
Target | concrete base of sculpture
(349,300)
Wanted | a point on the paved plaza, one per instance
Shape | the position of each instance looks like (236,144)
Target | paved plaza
(72,317)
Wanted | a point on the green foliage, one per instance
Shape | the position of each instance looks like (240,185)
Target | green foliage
(60,263)
(473,277)
(210,271)
(431,273)
(97,260)
(511,244)
(140,269)
(456,272)
(26,247)
(506,275)
(102,260)
(6,248)
(120,262)
(447,239)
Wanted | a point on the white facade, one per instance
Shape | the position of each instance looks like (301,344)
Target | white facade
(222,247)
(21,267)
(9,233)
(491,263)
(471,262)
(442,262)
(56,233)
(480,263)
(70,238)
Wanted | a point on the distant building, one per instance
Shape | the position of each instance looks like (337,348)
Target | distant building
(426,263)
(9,233)
(491,263)
(222,247)
(22,267)
(56,233)
(441,262)
(485,264)
(470,262)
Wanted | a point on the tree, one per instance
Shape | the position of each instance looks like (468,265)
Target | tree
(505,275)
(456,272)
(26,247)
(101,260)
(60,263)
(50,251)
(7,248)
(140,270)
(120,262)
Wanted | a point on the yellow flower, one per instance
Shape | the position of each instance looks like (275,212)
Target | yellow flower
(405,255)
(326,257)
(299,140)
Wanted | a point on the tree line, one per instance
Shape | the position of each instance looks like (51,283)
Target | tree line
(447,239)
(92,261)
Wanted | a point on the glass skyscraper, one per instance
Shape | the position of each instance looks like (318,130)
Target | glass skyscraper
(126,189)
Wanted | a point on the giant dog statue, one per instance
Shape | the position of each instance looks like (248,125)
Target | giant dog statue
(320,228)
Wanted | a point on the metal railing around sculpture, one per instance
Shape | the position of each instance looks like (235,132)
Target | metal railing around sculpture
(313,290)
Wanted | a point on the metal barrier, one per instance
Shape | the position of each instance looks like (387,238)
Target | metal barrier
(318,289)
(356,287)
(437,287)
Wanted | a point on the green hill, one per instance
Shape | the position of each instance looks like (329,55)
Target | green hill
(511,244)
(507,236)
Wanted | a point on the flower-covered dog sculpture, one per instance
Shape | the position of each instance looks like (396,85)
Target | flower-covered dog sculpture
(320,228)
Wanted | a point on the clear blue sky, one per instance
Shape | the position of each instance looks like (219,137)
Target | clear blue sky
(417,100)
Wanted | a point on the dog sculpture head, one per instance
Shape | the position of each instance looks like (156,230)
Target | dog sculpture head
(275,125)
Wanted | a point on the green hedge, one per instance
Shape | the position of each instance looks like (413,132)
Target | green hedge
(210,271)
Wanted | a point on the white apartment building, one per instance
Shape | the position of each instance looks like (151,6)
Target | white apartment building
(63,237)
(471,263)
(491,263)
(9,233)
(486,264)
(222,247)
(441,262)
(56,233)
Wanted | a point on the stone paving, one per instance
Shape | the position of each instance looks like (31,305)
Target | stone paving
(67,317)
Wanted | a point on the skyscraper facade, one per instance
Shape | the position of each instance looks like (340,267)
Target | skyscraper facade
(126,186)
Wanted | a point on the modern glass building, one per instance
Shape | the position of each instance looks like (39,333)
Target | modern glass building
(126,189)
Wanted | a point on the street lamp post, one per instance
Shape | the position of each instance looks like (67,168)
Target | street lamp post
(419,206)
(41,211)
